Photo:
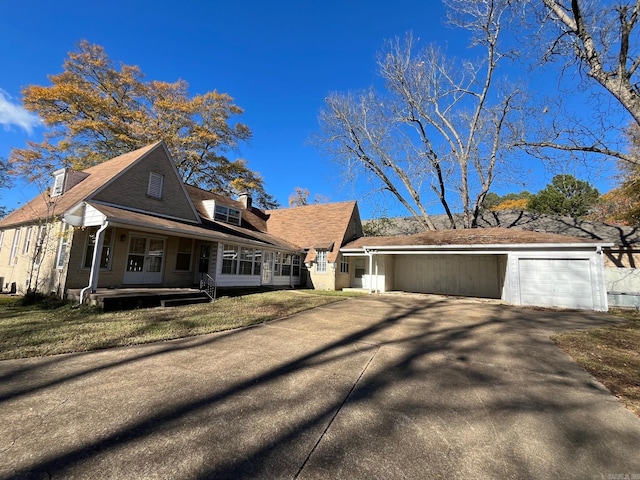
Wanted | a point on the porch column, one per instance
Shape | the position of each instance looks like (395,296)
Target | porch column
(97,254)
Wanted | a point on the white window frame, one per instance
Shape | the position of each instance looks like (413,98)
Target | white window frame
(58,183)
(228,248)
(156,185)
(1,239)
(295,260)
(63,245)
(26,246)
(40,240)
(231,215)
(321,261)
(14,247)
(344,265)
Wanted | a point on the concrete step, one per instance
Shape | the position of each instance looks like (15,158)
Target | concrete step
(176,302)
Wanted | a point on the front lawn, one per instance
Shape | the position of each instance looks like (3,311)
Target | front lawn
(30,331)
(611,355)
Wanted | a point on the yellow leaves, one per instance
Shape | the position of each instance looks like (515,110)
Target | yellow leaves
(517,204)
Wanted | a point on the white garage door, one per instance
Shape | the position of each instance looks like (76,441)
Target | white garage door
(556,282)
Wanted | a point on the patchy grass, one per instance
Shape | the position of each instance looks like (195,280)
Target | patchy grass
(610,354)
(30,330)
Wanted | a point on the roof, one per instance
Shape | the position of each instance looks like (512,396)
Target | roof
(207,230)
(622,236)
(314,227)
(252,218)
(466,237)
(98,176)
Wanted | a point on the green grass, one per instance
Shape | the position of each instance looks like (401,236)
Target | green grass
(610,354)
(29,331)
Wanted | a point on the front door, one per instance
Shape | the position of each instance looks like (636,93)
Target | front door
(267,268)
(204,260)
(145,260)
(359,271)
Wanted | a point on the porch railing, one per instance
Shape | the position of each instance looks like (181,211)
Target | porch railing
(208,285)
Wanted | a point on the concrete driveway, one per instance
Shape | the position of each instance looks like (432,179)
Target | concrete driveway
(392,386)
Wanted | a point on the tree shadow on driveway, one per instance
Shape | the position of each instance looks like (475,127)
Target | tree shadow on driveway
(379,386)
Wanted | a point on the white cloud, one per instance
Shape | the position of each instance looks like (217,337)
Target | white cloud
(15,114)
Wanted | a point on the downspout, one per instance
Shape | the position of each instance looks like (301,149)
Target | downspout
(95,262)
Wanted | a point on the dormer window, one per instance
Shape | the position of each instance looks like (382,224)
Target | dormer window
(227,214)
(58,183)
(156,181)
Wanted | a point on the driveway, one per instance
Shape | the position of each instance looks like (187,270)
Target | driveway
(391,386)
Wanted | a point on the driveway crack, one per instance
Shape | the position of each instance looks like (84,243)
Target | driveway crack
(335,414)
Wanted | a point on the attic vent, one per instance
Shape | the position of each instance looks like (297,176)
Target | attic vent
(156,181)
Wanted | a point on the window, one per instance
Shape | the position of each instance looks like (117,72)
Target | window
(105,257)
(1,240)
(58,183)
(183,257)
(321,261)
(277,264)
(14,247)
(344,265)
(62,246)
(42,232)
(250,261)
(296,265)
(26,247)
(227,214)
(286,265)
(156,180)
(137,249)
(229,259)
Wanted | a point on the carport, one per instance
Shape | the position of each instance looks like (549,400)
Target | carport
(519,267)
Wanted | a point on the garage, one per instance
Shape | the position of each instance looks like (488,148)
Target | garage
(517,266)
(555,282)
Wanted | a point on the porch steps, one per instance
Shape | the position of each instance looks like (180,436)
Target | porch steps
(189,300)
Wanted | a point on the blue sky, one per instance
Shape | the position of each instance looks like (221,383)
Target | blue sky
(277,59)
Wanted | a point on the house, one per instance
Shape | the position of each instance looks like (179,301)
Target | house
(321,230)
(517,266)
(131,222)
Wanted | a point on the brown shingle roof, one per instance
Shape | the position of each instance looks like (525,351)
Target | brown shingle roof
(251,218)
(41,208)
(320,226)
(474,236)
(208,229)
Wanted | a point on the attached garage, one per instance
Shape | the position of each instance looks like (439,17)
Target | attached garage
(517,266)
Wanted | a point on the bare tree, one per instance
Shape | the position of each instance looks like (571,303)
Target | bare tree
(601,39)
(441,127)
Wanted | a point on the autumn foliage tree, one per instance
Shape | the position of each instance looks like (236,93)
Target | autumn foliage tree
(95,111)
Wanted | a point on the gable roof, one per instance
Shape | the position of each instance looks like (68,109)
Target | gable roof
(43,207)
(315,227)
(621,236)
(468,237)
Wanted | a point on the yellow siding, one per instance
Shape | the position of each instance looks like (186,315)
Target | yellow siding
(130,189)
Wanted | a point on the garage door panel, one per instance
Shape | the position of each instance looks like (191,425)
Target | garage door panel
(555,282)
